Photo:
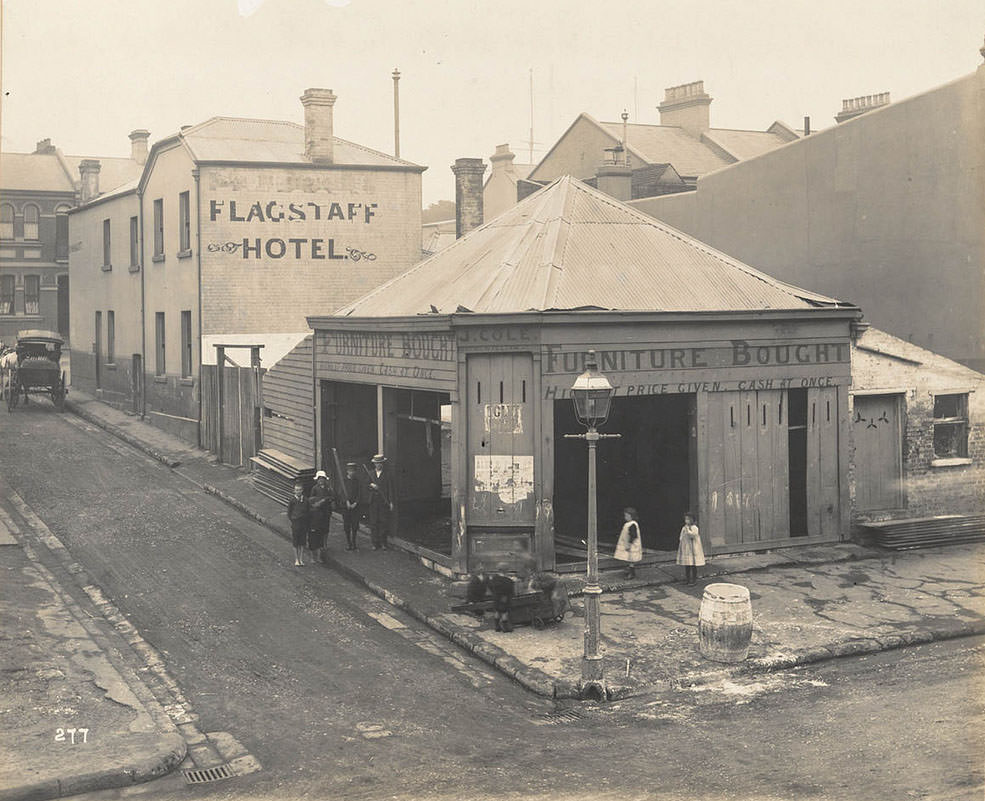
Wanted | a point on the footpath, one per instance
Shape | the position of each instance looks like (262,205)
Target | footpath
(809,603)
(59,659)
(73,717)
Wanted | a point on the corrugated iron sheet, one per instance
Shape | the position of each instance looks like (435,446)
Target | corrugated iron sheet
(570,246)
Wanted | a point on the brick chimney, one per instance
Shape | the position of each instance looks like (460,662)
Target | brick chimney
(853,106)
(468,194)
(319,144)
(138,145)
(89,170)
(688,107)
(44,147)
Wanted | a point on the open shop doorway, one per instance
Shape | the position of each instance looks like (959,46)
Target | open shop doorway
(652,466)
(414,433)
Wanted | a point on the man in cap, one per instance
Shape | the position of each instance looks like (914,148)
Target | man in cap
(348,501)
(320,503)
(380,501)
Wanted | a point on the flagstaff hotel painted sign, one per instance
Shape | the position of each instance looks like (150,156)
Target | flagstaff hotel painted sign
(287,243)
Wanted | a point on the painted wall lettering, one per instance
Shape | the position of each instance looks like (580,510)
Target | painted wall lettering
(739,354)
(276,211)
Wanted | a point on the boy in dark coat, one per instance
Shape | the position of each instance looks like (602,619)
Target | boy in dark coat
(299,514)
(348,501)
(320,504)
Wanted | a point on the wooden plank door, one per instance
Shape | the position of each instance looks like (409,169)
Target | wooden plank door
(823,476)
(878,452)
(501,440)
(746,467)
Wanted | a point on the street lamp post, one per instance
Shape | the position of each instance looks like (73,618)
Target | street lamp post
(592,396)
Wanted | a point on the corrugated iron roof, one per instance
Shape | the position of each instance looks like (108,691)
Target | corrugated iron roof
(248,140)
(570,246)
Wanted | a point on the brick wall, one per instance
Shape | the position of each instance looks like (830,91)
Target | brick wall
(326,237)
(931,486)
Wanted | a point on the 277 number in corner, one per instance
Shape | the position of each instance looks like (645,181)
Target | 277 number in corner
(69,736)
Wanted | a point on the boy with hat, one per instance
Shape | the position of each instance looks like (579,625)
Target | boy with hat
(380,501)
(320,502)
(348,500)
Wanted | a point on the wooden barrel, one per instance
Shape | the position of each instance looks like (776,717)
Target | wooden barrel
(725,623)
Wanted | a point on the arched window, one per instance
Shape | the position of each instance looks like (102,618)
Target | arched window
(31,217)
(6,221)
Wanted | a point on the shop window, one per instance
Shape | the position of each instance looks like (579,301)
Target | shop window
(159,366)
(32,294)
(107,246)
(111,337)
(134,242)
(6,221)
(951,426)
(6,294)
(31,217)
(186,344)
(184,216)
(158,229)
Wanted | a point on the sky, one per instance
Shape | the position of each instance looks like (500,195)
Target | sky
(87,72)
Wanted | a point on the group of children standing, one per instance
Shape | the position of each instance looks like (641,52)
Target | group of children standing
(311,516)
(690,553)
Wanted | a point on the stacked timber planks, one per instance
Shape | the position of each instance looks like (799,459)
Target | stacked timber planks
(275,473)
(926,532)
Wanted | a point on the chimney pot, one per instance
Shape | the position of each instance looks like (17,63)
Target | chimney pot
(687,106)
(138,145)
(44,146)
(502,160)
(468,194)
(319,141)
(89,172)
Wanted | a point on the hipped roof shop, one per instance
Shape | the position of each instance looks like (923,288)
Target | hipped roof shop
(731,389)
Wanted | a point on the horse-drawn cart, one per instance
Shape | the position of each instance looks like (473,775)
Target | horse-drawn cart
(37,370)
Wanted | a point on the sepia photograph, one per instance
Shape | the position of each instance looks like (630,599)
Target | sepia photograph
(465,400)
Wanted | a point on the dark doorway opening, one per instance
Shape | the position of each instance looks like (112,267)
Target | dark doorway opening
(348,422)
(649,467)
(416,441)
(797,448)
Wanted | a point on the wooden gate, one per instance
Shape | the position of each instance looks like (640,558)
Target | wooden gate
(878,453)
(230,426)
(501,499)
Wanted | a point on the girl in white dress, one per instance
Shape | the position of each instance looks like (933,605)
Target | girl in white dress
(689,550)
(629,548)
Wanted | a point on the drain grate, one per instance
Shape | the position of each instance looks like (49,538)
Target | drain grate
(203,775)
(559,716)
